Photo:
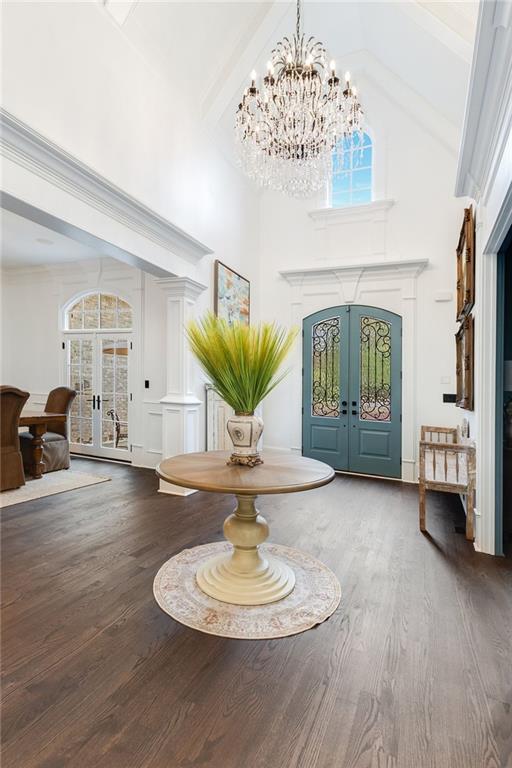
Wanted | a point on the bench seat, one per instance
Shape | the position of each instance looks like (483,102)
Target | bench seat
(447,464)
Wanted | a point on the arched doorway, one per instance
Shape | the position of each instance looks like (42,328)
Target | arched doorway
(97,329)
(352,389)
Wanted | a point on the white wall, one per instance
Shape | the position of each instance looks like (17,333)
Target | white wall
(417,172)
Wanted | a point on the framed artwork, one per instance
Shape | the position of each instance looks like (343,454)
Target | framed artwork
(464,339)
(232,295)
(466,266)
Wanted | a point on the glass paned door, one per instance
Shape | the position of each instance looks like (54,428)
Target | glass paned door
(97,367)
(113,398)
(352,389)
(375,384)
(325,387)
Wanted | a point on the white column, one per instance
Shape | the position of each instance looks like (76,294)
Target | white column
(180,406)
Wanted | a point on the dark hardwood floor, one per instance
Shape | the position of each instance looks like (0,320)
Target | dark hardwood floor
(414,670)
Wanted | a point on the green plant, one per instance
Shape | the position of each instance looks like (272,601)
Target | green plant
(241,361)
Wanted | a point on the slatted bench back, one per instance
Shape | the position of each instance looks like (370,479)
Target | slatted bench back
(439,434)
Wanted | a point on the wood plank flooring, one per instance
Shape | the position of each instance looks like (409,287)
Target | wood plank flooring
(414,670)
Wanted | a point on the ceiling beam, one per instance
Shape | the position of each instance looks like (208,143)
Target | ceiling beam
(456,42)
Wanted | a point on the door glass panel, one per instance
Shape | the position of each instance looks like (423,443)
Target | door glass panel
(114,394)
(80,353)
(375,370)
(325,368)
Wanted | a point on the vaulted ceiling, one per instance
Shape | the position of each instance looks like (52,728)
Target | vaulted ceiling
(207,49)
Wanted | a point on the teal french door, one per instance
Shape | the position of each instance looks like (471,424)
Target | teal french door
(352,389)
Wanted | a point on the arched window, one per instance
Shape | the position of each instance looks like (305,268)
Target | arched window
(98,311)
(352,171)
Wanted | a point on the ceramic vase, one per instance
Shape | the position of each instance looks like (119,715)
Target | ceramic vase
(245,430)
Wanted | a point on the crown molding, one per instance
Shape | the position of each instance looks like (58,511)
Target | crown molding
(181,287)
(404,268)
(27,148)
(488,115)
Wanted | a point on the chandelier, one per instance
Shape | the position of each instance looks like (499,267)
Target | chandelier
(287,127)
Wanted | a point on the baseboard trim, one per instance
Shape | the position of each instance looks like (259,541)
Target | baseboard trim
(376,477)
(125,462)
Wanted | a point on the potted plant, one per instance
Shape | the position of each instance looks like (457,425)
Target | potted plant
(243,364)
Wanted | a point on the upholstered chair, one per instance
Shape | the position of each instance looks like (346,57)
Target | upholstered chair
(12,401)
(55,440)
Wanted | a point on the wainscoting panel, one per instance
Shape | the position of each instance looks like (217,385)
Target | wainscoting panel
(150,453)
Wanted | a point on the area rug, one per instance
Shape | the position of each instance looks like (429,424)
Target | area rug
(47,485)
(316,596)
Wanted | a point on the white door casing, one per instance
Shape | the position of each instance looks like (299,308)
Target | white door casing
(390,285)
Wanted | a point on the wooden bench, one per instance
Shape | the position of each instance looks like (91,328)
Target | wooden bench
(447,463)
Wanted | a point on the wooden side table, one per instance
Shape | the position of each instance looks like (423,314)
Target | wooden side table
(245,576)
(38,425)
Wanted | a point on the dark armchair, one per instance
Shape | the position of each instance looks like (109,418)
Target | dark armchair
(55,440)
(12,401)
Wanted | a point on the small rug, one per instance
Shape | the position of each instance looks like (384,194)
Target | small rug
(47,485)
(316,596)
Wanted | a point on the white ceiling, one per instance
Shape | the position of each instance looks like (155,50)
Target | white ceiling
(459,16)
(27,244)
(207,49)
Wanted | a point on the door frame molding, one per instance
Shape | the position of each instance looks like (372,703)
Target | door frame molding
(390,285)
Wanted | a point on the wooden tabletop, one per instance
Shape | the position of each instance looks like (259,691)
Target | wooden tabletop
(36,417)
(280,473)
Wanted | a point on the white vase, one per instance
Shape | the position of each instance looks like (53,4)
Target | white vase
(245,430)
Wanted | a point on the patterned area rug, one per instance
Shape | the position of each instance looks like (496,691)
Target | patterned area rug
(316,596)
(47,485)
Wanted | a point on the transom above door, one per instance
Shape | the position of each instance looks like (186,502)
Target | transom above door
(351,414)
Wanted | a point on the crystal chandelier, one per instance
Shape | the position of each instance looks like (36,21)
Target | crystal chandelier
(287,128)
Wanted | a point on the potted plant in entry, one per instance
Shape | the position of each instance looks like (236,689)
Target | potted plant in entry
(243,364)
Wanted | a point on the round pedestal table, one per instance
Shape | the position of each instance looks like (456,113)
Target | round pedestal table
(245,575)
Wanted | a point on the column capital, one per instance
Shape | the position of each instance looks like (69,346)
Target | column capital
(181,287)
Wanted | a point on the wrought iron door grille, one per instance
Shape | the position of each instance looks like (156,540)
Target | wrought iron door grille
(325,400)
(375,370)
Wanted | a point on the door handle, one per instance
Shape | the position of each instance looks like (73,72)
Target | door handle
(99,401)
(93,401)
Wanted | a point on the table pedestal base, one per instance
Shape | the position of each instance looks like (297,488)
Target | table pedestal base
(245,577)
